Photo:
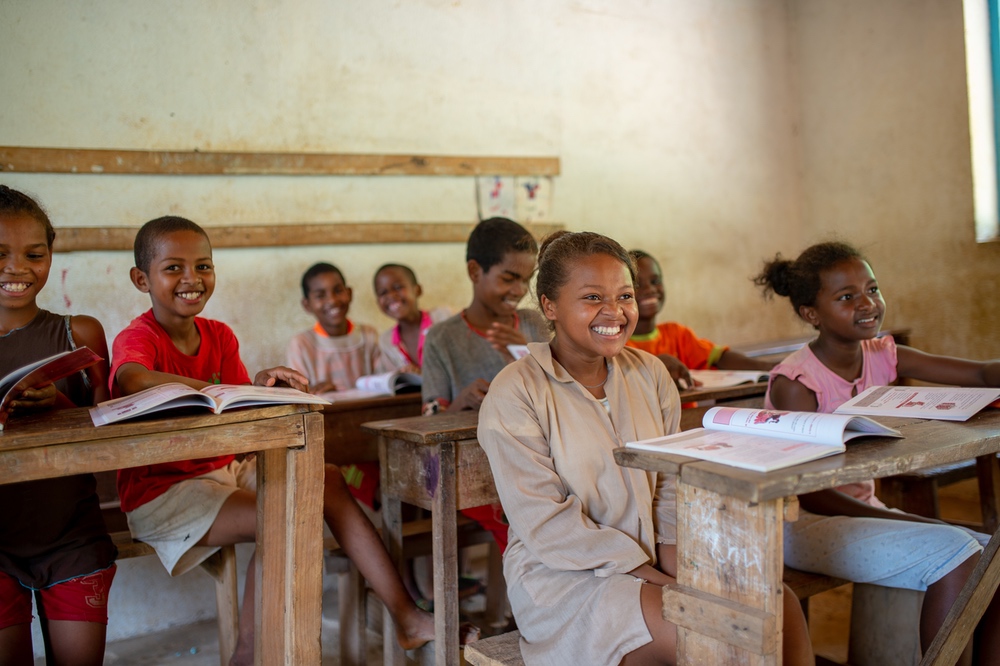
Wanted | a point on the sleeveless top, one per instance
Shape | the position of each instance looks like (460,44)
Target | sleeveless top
(51,530)
(878,368)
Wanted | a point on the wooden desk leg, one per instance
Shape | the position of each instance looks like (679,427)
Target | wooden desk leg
(731,550)
(445,552)
(289,557)
(392,536)
(967,610)
(988,472)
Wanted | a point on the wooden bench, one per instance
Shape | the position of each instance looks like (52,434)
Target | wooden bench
(221,566)
(505,649)
(417,541)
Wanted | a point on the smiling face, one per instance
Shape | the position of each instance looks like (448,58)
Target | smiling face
(181,276)
(397,294)
(328,300)
(849,305)
(25,261)
(499,290)
(649,291)
(595,311)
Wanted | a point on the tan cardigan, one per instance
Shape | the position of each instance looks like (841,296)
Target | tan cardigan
(577,518)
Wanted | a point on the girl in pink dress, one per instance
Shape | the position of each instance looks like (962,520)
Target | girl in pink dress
(847,532)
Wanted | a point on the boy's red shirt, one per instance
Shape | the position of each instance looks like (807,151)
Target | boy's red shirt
(145,342)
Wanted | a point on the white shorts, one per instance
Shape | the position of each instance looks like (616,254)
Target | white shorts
(891,553)
(176,520)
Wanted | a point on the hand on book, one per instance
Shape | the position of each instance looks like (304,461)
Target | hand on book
(678,372)
(282,376)
(36,399)
(322,387)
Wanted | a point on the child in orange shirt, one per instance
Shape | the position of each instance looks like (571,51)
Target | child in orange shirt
(675,344)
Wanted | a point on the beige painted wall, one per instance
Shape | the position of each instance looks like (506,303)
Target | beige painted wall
(885,163)
(671,119)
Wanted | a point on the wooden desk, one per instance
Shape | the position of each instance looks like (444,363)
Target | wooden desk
(775,350)
(436,463)
(344,442)
(729,530)
(287,440)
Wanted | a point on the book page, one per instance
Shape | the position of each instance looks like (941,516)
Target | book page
(378,384)
(753,452)
(806,426)
(350,394)
(150,400)
(48,370)
(41,373)
(245,395)
(724,378)
(941,403)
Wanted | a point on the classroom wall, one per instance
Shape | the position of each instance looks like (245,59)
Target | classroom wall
(671,119)
(884,152)
(709,133)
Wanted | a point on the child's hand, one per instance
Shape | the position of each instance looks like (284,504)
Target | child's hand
(678,372)
(323,387)
(501,335)
(36,399)
(471,396)
(282,376)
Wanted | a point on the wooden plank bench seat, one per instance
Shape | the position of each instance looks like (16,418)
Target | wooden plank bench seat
(505,649)
(221,566)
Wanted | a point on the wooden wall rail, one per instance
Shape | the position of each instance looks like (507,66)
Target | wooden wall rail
(81,239)
(195,163)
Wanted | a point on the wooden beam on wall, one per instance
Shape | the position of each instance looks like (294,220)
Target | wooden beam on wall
(84,239)
(18,159)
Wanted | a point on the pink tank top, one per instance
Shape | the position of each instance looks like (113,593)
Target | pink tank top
(878,369)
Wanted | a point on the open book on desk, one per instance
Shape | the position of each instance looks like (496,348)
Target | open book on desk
(765,439)
(390,383)
(946,403)
(42,373)
(722,378)
(217,398)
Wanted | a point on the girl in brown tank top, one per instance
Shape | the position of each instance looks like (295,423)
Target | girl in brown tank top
(53,541)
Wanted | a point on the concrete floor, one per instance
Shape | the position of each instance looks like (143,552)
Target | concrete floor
(197,644)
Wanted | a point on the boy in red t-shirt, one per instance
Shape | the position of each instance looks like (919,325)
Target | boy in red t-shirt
(186,510)
(675,344)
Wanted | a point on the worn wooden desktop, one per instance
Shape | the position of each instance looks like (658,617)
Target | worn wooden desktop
(287,440)
(729,524)
(436,463)
(344,441)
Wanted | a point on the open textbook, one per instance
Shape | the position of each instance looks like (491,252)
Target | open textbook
(217,397)
(390,383)
(42,373)
(947,403)
(723,378)
(765,439)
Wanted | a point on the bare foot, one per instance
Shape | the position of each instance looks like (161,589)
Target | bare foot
(418,628)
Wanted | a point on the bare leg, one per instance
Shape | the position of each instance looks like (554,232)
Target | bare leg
(937,602)
(15,645)
(796,646)
(357,536)
(663,648)
(237,523)
(76,643)
(988,634)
